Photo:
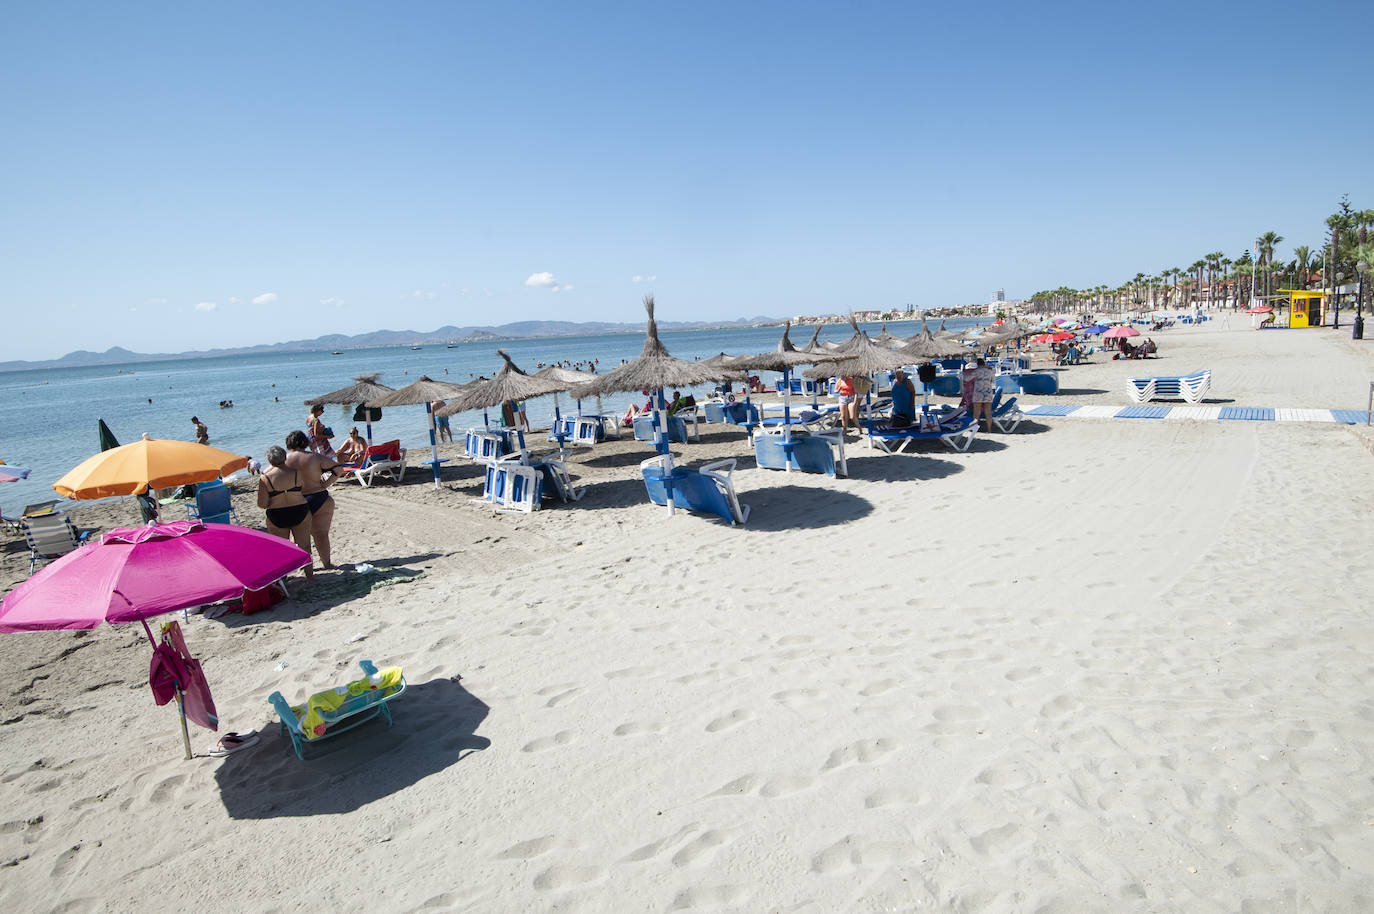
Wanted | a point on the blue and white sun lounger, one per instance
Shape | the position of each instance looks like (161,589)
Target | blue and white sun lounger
(705,490)
(958,435)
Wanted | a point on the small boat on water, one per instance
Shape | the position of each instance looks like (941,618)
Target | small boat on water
(452,345)
(336,352)
(414,348)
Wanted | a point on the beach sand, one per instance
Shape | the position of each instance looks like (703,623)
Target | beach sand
(1095,665)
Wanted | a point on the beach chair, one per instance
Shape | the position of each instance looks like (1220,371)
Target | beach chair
(512,485)
(808,452)
(334,711)
(706,490)
(957,435)
(213,504)
(38,509)
(715,411)
(587,431)
(557,481)
(1006,416)
(484,444)
(644,429)
(387,459)
(50,536)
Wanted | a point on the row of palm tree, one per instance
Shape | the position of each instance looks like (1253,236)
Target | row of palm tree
(1215,280)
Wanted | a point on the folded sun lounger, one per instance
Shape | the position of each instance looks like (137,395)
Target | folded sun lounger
(958,435)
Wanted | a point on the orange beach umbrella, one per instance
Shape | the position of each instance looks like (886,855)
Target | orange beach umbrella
(156,463)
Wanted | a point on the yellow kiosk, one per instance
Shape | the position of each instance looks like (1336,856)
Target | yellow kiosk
(1305,309)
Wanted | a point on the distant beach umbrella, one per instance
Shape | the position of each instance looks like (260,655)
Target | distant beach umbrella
(1119,332)
(425,390)
(13,474)
(886,339)
(573,377)
(654,370)
(364,390)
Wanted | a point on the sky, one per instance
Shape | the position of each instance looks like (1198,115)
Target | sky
(185,176)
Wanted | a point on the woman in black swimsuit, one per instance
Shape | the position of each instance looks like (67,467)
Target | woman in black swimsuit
(279,492)
(317,473)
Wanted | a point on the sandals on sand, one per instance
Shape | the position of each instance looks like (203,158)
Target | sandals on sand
(232,742)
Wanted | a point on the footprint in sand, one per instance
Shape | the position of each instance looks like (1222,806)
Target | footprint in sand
(565,876)
(1022,673)
(726,721)
(631,672)
(710,896)
(561,738)
(864,752)
(166,788)
(638,728)
(701,848)
(851,851)
(558,694)
(889,797)
(768,786)
(879,687)
(655,848)
(993,838)
(527,849)
(798,699)
(1060,706)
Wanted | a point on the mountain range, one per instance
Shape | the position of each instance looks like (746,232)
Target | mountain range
(378,338)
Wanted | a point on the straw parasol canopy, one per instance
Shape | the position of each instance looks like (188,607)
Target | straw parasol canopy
(785,357)
(655,368)
(566,375)
(925,346)
(365,390)
(510,383)
(815,345)
(942,334)
(424,390)
(864,358)
(886,339)
(1006,333)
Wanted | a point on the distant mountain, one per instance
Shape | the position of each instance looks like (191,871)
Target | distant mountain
(377,338)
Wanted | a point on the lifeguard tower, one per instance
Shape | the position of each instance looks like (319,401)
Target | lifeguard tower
(1305,309)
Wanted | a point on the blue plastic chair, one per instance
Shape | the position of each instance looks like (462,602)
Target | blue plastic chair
(704,490)
(213,504)
(644,429)
(804,452)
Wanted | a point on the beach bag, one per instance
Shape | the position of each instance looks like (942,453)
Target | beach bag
(927,373)
(367,414)
(258,600)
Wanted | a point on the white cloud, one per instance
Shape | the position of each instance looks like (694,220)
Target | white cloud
(643,278)
(156,301)
(133,309)
(233,300)
(337,302)
(265,298)
(563,287)
(206,306)
(541,280)
(422,295)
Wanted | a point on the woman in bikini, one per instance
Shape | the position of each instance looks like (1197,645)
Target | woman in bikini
(318,472)
(279,491)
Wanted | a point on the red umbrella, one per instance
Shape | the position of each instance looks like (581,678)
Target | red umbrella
(1121,331)
(1259,309)
(1058,336)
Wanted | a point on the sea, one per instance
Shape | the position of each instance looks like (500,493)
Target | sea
(50,415)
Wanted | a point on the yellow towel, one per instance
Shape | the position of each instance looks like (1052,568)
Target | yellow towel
(311,714)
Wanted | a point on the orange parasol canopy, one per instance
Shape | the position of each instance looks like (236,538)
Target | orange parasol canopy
(156,463)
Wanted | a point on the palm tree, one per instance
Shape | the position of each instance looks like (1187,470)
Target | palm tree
(1225,264)
(1267,241)
(1213,267)
(1302,254)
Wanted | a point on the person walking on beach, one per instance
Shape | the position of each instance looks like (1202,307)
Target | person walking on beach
(279,492)
(319,432)
(849,406)
(984,383)
(202,433)
(441,423)
(317,473)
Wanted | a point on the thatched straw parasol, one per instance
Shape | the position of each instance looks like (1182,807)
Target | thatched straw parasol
(925,346)
(654,370)
(573,377)
(941,333)
(509,383)
(886,339)
(815,344)
(365,390)
(783,359)
(425,390)
(865,357)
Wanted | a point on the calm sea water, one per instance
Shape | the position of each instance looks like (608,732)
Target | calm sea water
(49,416)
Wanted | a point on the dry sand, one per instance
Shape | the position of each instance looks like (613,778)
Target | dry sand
(1097,665)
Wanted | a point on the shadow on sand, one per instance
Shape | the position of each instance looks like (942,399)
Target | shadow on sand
(434,726)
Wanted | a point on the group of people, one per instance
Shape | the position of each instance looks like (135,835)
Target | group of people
(1127,351)
(293,490)
(676,404)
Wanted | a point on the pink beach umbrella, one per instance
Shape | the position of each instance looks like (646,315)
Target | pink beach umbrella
(135,573)
(132,574)
(1123,330)
(13,474)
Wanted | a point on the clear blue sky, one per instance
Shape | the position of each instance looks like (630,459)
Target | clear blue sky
(358,166)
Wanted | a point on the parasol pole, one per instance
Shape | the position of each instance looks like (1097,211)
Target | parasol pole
(185,736)
(661,445)
(787,417)
(433,441)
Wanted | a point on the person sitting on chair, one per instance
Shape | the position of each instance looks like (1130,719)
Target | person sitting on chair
(903,400)
(352,450)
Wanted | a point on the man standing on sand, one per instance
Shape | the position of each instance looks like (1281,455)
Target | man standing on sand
(202,433)
(441,423)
